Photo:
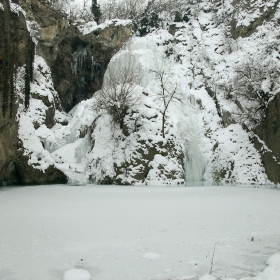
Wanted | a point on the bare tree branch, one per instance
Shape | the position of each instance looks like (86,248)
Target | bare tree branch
(168,89)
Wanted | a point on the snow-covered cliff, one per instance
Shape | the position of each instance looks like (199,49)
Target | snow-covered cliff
(204,87)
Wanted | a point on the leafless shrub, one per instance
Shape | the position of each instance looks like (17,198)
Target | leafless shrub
(212,259)
(134,9)
(119,91)
(125,9)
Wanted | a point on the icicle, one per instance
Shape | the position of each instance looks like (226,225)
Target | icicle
(79,58)
(93,67)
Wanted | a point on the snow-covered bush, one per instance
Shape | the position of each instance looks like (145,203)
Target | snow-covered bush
(118,92)
(254,85)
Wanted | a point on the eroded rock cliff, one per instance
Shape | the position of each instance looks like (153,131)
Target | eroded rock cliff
(269,140)
(78,62)
(17,50)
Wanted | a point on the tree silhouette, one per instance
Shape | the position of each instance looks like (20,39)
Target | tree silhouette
(96,11)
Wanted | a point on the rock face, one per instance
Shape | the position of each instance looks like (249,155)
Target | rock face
(81,61)
(77,61)
(248,15)
(17,51)
(268,144)
(8,125)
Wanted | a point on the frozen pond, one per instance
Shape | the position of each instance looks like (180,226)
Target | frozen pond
(124,232)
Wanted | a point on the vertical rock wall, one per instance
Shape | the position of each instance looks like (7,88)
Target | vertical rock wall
(16,50)
(269,140)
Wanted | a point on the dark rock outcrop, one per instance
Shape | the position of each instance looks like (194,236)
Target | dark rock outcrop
(78,62)
(269,132)
(81,61)
(32,176)
(264,13)
(75,76)
(13,53)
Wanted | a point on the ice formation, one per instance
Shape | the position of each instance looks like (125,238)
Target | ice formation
(79,57)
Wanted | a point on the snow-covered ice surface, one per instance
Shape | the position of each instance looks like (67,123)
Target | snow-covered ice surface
(76,274)
(139,232)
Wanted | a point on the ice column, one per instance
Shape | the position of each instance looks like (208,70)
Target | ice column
(193,162)
(93,67)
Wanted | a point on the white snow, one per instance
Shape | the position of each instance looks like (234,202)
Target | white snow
(140,233)
(76,274)
(15,8)
(92,25)
(155,233)
(207,277)
(88,27)
(151,256)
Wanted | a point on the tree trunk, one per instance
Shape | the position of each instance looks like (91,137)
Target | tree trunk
(163,124)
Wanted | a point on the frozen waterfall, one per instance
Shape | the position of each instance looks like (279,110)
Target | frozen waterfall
(193,162)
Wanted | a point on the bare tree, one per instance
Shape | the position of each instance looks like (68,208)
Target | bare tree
(168,90)
(124,9)
(72,10)
(255,83)
(135,9)
(119,91)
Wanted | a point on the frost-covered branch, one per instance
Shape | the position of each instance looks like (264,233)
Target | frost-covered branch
(254,85)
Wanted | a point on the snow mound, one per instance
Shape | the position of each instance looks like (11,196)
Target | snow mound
(76,274)
(207,277)
(151,256)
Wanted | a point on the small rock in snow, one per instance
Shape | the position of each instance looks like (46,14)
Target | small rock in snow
(193,263)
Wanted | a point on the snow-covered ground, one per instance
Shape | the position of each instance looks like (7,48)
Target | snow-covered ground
(139,232)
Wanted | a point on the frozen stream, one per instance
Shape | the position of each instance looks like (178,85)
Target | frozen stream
(124,232)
